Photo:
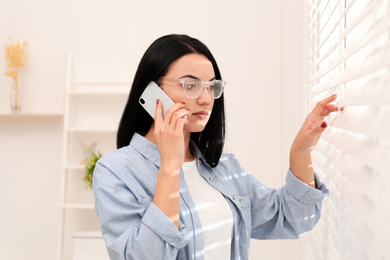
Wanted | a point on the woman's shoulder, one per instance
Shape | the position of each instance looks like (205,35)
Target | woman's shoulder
(124,160)
(126,165)
(118,157)
(228,158)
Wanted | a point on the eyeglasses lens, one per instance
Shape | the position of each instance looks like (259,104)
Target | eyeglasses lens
(193,88)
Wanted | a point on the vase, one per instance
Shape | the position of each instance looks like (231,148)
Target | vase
(15,98)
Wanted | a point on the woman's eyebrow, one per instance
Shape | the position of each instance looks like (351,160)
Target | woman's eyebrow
(193,77)
(189,76)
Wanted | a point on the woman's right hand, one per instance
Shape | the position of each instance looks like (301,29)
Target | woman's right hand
(169,135)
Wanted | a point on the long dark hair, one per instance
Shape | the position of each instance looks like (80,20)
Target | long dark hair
(155,64)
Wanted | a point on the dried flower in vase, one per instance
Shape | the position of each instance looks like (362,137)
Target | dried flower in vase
(16,58)
(90,161)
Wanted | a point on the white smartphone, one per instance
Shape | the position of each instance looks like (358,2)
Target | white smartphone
(149,98)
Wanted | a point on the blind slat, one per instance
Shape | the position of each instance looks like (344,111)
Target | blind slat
(372,4)
(314,39)
(375,91)
(368,67)
(378,27)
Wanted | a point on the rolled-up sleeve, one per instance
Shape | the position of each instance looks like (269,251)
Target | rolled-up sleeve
(133,227)
(303,192)
(288,212)
(157,221)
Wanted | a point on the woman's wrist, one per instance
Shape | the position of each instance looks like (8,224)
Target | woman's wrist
(301,166)
(169,169)
(300,153)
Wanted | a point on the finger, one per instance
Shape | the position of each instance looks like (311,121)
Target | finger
(171,111)
(179,128)
(158,119)
(318,128)
(323,126)
(323,103)
(180,115)
(330,108)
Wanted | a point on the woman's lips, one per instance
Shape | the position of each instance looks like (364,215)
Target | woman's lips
(201,114)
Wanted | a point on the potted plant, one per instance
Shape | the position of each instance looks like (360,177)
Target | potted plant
(90,161)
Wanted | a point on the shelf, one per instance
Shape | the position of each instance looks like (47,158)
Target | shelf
(87,234)
(76,206)
(101,84)
(99,92)
(9,115)
(90,130)
(99,88)
(74,167)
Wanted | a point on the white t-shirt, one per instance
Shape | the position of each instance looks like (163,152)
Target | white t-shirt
(214,212)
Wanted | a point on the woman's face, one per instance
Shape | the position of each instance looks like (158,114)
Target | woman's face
(191,66)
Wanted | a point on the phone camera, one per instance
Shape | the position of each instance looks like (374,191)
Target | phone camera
(142,101)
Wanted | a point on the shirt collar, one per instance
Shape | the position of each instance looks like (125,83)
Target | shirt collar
(145,147)
(150,151)
(198,154)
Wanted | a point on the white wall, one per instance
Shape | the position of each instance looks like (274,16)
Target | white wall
(294,89)
(258,45)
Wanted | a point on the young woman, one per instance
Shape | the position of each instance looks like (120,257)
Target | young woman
(168,192)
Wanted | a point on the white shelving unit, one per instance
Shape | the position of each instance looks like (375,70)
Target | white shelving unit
(92,114)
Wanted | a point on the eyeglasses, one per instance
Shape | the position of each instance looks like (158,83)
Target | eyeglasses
(193,88)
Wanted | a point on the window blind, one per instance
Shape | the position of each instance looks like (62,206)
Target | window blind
(349,55)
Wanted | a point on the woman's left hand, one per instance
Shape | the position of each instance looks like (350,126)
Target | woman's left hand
(314,125)
(306,140)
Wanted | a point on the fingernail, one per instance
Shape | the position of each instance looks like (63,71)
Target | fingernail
(157,101)
(323,125)
(183,103)
(334,95)
(188,109)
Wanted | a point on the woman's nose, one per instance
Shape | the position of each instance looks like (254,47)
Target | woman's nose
(204,97)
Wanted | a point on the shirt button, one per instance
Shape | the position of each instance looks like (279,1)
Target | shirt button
(234,197)
(199,161)
(241,201)
(211,178)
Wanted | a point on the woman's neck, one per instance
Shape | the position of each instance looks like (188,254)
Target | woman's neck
(187,136)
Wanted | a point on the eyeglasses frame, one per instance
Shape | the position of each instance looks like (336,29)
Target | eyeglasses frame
(204,84)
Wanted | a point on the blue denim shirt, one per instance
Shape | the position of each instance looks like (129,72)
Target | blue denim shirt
(133,227)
